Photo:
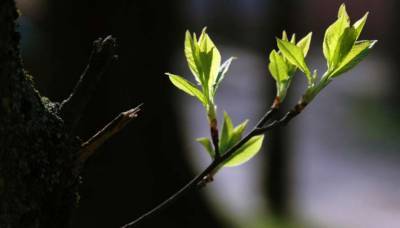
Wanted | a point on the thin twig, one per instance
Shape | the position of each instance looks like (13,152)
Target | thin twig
(103,54)
(89,147)
(183,191)
(203,178)
(285,119)
(268,115)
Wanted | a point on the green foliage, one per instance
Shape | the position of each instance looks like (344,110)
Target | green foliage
(246,152)
(280,71)
(341,49)
(204,61)
(231,135)
(187,87)
(294,54)
(284,62)
(221,73)
(206,143)
(357,53)
(304,43)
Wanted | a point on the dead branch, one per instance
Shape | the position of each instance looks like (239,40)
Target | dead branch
(89,147)
(103,54)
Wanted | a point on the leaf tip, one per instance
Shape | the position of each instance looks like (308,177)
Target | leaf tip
(342,10)
(187,34)
(373,42)
(293,39)
(284,35)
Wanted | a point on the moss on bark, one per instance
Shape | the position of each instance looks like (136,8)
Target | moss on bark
(38,156)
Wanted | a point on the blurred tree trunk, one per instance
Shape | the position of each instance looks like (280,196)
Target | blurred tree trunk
(278,178)
(38,173)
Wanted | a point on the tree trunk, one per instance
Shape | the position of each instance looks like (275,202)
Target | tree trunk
(38,154)
(39,151)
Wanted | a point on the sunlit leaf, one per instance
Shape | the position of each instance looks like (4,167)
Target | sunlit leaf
(191,53)
(334,34)
(357,53)
(246,152)
(187,87)
(359,25)
(284,35)
(293,39)
(226,133)
(342,13)
(206,143)
(238,131)
(343,47)
(304,43)
(294,55)
(210,59)
(223,69)
(277,67)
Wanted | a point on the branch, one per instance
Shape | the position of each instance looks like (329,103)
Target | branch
(103,54)
(284,120)
(89,147)
(268,115)
(215,136)
(204,177)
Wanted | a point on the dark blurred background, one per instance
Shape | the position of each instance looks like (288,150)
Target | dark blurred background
(336,165)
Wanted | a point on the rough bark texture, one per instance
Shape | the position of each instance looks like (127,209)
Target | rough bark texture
(38,168)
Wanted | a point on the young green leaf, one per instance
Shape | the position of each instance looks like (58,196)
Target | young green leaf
(304,43)
(238,131)
(342,13)
(294,55)
(210,59)
(340,46)
(293,39)
(277,67)
(357,53)
(359,25)
(333,35)
(205,59)
(206,143)
(229,134)
(223,69)
(284,35)
(187,87)
(344,45)
(246,152)
(226,134)
(192,53)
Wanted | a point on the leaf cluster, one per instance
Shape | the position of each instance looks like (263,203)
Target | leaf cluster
(341,48)
(342,51)
(231,135)
(204,61)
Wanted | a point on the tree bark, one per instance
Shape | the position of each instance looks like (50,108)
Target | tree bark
(39,151)
(38,154)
